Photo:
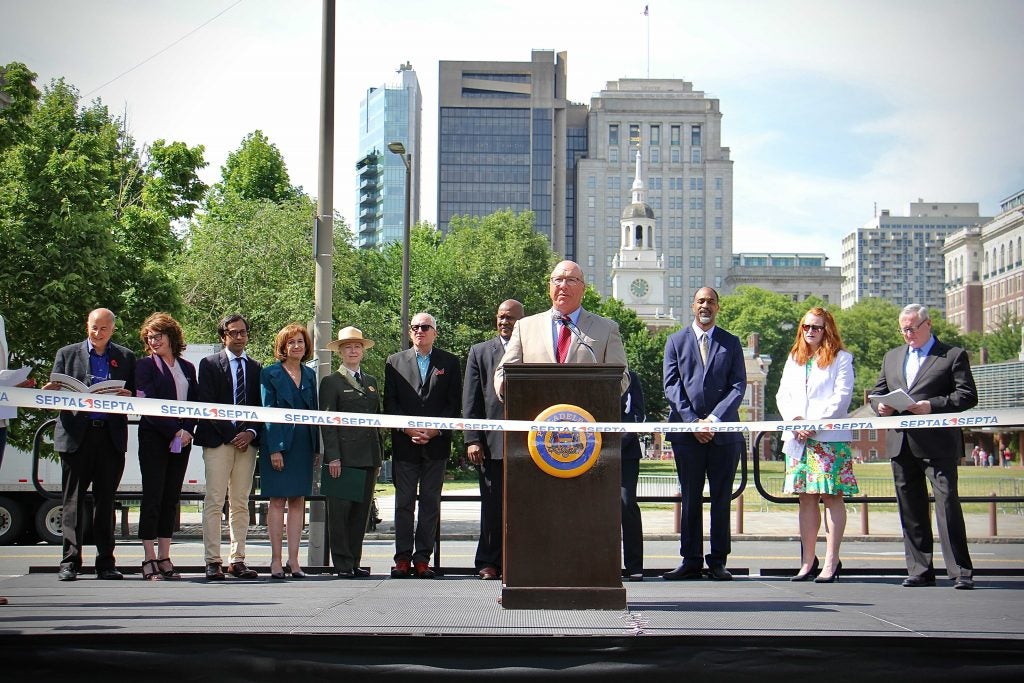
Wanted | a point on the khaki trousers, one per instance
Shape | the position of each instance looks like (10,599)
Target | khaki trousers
(228,473)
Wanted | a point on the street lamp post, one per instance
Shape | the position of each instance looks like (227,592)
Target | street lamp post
(399,149)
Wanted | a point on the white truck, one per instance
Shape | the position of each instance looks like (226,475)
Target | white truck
(26,514)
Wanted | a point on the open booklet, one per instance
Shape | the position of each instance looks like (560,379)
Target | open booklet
(69,383)
(898,400)
(12,378)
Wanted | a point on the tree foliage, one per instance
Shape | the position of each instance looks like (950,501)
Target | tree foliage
(256,170)
(82,222)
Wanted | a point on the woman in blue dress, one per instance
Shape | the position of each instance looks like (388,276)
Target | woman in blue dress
(288,451)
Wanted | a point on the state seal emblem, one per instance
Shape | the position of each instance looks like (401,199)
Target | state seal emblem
(564,454)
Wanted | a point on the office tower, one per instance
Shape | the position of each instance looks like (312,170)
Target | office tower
(795,275)
(689,183)
(389,113)
(504,131)
(899,258)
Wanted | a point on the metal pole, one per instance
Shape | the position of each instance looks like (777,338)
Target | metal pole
(403,332)
(324,255)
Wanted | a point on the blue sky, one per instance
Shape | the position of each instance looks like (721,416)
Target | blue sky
(828,107)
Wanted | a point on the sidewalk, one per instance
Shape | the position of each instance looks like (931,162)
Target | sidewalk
(460,521)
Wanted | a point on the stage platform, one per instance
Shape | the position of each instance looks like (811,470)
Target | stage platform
(753,628)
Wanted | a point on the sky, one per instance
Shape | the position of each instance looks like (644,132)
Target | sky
(830,109)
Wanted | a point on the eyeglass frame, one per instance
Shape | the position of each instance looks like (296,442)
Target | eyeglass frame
(907,331)
(421,327)
(565,280)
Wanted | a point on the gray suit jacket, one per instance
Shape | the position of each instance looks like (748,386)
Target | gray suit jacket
(479,402)
(946,382)
(73,360)
(532,342)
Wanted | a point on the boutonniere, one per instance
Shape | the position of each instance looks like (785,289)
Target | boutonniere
(438,372)
(113,362)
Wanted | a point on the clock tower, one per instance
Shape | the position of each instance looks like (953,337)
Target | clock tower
(638,272)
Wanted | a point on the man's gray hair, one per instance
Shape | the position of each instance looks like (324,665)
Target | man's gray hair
(917,310)
(433,322)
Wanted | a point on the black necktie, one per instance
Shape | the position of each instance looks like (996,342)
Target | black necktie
(239,384)
(359,378)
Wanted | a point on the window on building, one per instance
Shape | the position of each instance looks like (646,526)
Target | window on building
(872,435)
(655,135)
(591,182)
(613,155)
(607,262)
(675,281)
(718,184)
(590,202)
(695,282)
(675,133)
(718,242)
(675,155)
(634,135)
(695,136)
(696,262)
(613,135)
(675,262)
(655,155)
(695,155)
(613,182)
(590,262)
(718,203)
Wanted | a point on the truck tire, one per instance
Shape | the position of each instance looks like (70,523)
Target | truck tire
(48,518)
(12,520)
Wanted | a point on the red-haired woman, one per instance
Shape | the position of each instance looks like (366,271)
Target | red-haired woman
(287,450)
(817,384)
(164,442)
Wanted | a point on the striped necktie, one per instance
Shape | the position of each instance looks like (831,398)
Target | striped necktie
(239,383)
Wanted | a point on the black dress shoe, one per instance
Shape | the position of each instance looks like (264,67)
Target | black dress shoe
(963,583)
(67,573)
(918,581)
(240,570)
(109,574)
(637,577)
(833,578)
(346,574)
(719,573)
(214,572)
(808,575)
(360,572)
(684,572)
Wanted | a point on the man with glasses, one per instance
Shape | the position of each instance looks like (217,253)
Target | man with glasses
(229,446)
(422,381)
(92,445)
(938,378)
(566,333)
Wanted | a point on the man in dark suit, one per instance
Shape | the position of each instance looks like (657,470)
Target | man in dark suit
(633,410)
(938,378)
(705,379)
(229,446)
(486,449)
(92,445)
(421,381)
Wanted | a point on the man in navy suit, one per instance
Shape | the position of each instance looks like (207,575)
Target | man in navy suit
(938,378)
(705,379)
(229,446)
(633,410)
(486,449)
(92,445)
(422,381)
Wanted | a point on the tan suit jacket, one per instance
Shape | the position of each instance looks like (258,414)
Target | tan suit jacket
(533,342)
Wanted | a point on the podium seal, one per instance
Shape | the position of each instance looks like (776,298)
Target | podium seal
(564,454)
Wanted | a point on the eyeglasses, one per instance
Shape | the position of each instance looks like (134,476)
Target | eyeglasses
(421,328)
(809,328)
(559,281)
(237,334)
(155,337)
(911,330)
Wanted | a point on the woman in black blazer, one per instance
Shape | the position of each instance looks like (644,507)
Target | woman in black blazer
(164,442)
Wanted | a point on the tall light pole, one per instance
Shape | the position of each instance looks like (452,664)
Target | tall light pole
(399,149)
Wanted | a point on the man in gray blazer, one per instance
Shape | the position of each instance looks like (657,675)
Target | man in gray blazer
(938,378)
(486,449)
(566,333)
(92,445)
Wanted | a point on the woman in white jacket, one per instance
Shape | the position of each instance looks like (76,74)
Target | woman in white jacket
(817,384)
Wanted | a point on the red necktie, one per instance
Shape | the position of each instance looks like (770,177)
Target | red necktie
(564,339)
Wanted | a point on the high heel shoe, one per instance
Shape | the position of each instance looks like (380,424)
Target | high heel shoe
(833,578)
(278,576)
(151,571)
(171,573)
(295,574)
(809,574)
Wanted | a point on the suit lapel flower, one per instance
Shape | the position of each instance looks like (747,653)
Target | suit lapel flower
(113,362)
(438,372)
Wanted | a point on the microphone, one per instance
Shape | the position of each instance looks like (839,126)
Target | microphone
(567,321)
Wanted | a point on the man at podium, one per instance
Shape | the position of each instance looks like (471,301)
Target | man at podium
(566,333)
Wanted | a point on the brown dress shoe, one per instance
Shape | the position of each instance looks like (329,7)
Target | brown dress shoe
(214,572)
(488,573)
(423,571)
(239,570)
(401,570)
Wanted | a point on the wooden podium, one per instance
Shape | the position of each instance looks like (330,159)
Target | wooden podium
(562,547)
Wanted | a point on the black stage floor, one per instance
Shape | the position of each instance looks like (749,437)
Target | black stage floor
(753,628)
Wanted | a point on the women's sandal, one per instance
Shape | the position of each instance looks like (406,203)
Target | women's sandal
(171,573)
(151,571)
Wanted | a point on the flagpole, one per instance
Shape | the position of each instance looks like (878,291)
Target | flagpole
(647,14)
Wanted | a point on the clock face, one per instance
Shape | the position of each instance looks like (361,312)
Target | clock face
(639,288)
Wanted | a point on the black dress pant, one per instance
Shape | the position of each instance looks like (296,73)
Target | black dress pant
(694,463)
(163,473)
(98,463)
(632,523)
(488,549)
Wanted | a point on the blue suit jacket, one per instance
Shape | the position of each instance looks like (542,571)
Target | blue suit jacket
(695,392)
(277,436)
(631,449)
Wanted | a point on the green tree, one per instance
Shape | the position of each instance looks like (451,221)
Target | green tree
(256,170)
(77,227)
(869,329)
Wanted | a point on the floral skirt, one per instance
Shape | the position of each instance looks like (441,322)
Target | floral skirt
(824,467)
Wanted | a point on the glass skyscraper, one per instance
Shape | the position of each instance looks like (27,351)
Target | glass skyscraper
(389,113)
